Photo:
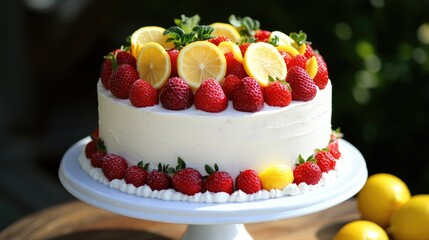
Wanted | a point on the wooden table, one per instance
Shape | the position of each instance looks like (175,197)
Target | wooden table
(77,220)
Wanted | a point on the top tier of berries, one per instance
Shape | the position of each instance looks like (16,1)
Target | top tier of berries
(210,66)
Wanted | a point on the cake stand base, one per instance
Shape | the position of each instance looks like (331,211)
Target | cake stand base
(212,221)
(217,231)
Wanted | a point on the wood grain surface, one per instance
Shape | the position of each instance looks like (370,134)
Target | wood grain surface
(77,220)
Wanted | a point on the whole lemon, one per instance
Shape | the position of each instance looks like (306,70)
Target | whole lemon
(381,196)
(276,177)
(411,221)
(361,230)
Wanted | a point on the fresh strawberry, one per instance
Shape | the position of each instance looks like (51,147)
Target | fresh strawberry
(278,94)
(97,159)
(176,95)
(173,54)
(187,180)
(158,179)
(234,67)
(309,52)
(243,47)
(307,171)
(333,149)
(90,148)
(218,181)
(325,160)
(262,35)
(210,97)
(143,94)
(249,96)
(230,85)
(299,60)
(107,68)
(136,174)
(114,166)
(125,57)
(121,81)
(286,57)
(303,87)
(248,182)
(218,39)
(321,79)
(95,134)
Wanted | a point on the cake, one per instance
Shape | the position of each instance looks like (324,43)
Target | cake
(259,109)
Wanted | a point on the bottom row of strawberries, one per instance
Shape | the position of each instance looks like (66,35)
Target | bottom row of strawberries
(190,181)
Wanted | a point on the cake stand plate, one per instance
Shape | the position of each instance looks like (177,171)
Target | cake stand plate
(213,220)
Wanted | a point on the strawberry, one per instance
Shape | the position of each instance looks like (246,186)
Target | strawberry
(158,179)
(249,96)
(230,85)
(234,67)
(286,57)
(187,180)
(333,149)
(136,174)
(309,52)
(90,148)
(325,160)
(243,47)
(307,171)
(143,94)
(121,81)
(125,57)
(262,35)
(303,87)
(95,134)
(114,166)
(176,94)
(218,39)
(107,68)
(173,54)
(97,159)
(248,182)
(210,97)
(299,60)
(278,94)
(218,181)
(321,79)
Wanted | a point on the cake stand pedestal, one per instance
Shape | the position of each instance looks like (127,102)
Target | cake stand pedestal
(212,221)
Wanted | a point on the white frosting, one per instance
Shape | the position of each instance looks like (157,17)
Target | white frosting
(210,197)
(235,140)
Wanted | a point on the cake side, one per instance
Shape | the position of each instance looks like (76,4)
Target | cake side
(234,140)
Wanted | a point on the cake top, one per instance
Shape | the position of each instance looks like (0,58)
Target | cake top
(211,66)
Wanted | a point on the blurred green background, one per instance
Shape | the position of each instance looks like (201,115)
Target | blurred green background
(376,50)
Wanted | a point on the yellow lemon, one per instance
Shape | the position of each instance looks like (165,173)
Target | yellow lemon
(262,61)
(147,34)
(153,64)
(361,230)
(227,30)
(199,61)
(228,46)
(289,49)
(411,221)
(276,177)
(283,39)
(311,67)
(381,196)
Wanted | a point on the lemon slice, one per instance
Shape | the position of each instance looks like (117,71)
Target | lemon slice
(225,29)
(148,34)
(199,61)
(311,67)
(284,39)
(228,46)
(289,49)
(262,61)
(153,64)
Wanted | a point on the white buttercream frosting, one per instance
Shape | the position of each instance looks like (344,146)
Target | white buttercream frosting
(234,140)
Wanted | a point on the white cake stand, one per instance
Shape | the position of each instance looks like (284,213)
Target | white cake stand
(213,221)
